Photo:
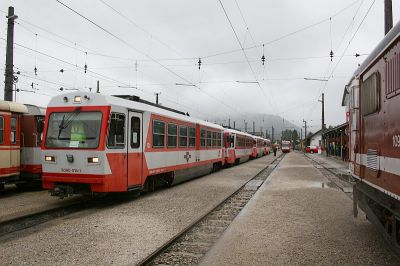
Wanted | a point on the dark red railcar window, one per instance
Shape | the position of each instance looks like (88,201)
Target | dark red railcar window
(13,135)
(1,129)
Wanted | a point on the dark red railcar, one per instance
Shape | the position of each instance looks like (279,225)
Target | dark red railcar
(374,136)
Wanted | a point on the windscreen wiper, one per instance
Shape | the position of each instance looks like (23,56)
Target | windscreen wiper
(65,122)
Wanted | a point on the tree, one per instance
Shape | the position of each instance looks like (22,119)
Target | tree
(292,135)
(295,135)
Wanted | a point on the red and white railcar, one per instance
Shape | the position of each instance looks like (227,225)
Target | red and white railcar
(96,143)
(239,146)
(286,146)
(267,146)
(10,141)
(374,135)
(31,139)
(258,149)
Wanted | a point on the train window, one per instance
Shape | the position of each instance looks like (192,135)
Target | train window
(219,141)
(232,141)
(370,94)
(182,136)
(158,134)
(116,131)
(75,129)
(209,138)
(192,137)
(135,132)
(214,139)
(39,129)
(203,138)
(1,129)
(13,135)
(172,135)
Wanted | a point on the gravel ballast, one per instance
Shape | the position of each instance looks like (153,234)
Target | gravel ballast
(126,233)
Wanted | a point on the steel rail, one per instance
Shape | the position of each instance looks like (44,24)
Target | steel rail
(33,219)
(150,258)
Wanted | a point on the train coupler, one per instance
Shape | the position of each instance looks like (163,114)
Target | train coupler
(62,191)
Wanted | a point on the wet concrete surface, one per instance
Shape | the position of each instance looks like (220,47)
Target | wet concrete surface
(299,218)
(127,233)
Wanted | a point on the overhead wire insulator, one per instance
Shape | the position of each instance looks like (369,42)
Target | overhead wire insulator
(357,55)
(35,69)
(263,57)
(199,63)
(85,62)
(61,70)
(331,55)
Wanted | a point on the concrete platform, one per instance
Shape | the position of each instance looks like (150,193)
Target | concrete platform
(299,218)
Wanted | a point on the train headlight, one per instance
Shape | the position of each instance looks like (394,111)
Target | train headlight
(77,99)
(49,158)
(93,159)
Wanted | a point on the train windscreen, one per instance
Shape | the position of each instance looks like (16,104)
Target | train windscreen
(74,130)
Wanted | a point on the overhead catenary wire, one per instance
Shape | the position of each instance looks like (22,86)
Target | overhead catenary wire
(137,50)
(66,62)
(323,88)
(139,27)
(123,41)
(352,38)
(285,35)
(202,81)
(244,53)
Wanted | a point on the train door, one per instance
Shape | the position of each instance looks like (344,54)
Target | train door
(14,145)
(135,149)
(198,137)
(5,155)
(354,142)
(372,124)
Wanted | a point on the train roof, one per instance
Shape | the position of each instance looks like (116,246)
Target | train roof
(97,99)
(389,38)
(35,110)
(13,107)
(230,130)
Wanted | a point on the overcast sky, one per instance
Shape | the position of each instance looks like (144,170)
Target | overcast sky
(154,45)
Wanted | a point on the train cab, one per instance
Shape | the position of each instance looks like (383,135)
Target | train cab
(10,141)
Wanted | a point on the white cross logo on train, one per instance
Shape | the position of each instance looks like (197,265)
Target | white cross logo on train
(187,156)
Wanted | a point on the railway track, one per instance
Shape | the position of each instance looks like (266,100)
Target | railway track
(34,219)
(342,181)
(189,246)
(30,220)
